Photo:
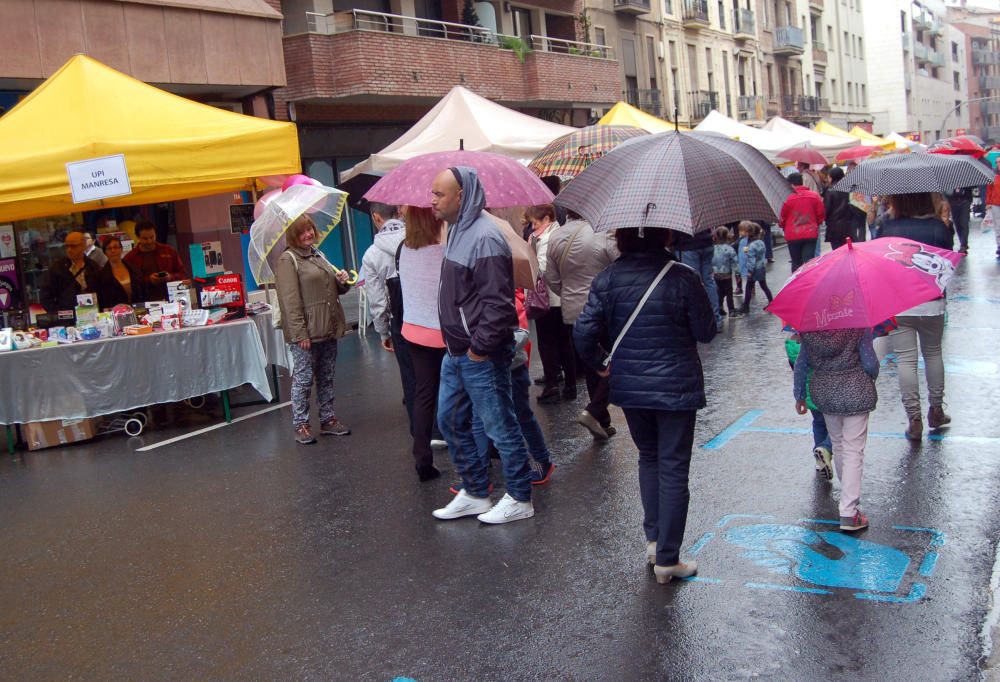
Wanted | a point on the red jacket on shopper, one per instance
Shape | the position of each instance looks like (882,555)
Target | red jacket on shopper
(801,215)
(993,192)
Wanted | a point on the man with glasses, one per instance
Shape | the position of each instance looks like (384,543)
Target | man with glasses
(69,276)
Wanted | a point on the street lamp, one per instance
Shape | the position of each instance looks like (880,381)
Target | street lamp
(959,106)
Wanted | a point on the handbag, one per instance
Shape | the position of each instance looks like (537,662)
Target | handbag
(637,310)
(395,290)
(536,301)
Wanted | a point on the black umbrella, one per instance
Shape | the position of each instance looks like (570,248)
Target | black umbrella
(915,173)
(688,182)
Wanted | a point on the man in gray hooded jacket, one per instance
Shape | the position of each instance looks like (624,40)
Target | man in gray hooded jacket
(478,319)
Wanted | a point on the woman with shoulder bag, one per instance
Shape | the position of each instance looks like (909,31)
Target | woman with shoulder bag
(658,311)
(555,340)
(312,319)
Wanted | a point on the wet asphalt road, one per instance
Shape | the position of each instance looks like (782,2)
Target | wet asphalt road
(237,554)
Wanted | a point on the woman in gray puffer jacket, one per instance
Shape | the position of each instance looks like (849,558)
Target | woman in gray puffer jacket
(844,368)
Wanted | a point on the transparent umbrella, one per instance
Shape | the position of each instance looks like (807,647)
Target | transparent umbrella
(325,205)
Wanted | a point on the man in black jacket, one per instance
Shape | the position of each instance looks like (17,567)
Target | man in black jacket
(478,319)
(69,276)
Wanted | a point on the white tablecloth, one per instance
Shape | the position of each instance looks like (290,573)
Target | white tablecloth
(94,378)
(275,348)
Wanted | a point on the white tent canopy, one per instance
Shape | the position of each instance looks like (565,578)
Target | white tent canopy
(765,141)
(903,143)
(828,145)
(477,124)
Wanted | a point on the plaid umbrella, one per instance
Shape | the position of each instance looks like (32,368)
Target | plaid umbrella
(688,182)
(568,155)
(914,174)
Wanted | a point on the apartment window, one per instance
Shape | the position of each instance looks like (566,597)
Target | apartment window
(770,81)
(830,45)
(954,51)
(708,68)
(521,18)
(692,67)
(847,43)
(600,35)
(955,80)
(861,47)
(850,94)
(722,15)
(902,22)
(668,6)
(834,91)
(864,95)
(651,58)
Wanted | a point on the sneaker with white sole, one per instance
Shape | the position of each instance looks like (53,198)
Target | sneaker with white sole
(463,504)
(506,510)
(437,444)
(823,458)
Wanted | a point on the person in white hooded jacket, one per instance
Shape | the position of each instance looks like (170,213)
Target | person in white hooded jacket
(377,265)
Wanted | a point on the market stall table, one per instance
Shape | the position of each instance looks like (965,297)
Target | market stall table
(275,349)
(95,378)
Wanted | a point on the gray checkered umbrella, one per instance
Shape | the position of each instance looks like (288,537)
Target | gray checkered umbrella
(915,173)
(688,182)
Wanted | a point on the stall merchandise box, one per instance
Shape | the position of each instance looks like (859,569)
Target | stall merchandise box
(41,435)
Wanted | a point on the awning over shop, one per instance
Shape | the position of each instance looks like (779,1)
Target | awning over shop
(870,139)
(624,114)
(173,148)
(795,134)
(463,119)
(764,141)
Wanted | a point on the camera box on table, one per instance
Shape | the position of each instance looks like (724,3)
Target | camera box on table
(170,316)
(182,291)
(39,435)
(227,292)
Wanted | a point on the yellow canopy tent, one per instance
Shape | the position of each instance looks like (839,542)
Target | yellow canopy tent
(868,138)
(857,132)
(173,148)
(624,114)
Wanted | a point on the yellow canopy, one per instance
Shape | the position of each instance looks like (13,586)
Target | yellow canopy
(173,148)
(866,137)
(624,114)
(857,132)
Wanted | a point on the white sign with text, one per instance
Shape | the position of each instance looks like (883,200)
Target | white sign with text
(99,178)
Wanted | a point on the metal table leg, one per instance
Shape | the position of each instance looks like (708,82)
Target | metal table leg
(225,406)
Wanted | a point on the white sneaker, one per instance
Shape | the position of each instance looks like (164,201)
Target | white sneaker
(508,509)
(439,444)
(461,505)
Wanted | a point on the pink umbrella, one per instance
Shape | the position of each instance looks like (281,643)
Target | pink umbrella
(857,153)
(805,154)
(862,285)
(506,182)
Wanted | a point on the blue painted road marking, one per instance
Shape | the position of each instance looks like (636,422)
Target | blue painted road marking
(825,562)
(745,425)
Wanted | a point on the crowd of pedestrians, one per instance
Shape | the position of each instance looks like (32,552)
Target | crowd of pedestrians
(624,309)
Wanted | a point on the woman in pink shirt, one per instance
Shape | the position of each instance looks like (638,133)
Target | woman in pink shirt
(419,275)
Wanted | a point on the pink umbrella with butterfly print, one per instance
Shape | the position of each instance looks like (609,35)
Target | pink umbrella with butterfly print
(506,182)
(862,285)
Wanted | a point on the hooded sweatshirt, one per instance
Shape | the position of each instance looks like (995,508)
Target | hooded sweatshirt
(377,265)
(476,296)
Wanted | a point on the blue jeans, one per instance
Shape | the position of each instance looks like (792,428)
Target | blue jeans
(768,242)
(481,392)
(664,440)
(520,382)
(700,260)
(821,437)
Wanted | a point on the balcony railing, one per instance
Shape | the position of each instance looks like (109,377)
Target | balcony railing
(989,82)
(803,106)
(361,20)
(819,52)
(922,19)
(985,57)
(937,27)
(788,40)
(935,58)
(702,102)
(920,51)
(750,107)
(743,23)
(650,101)
(695,12)
(633,6)
(817,4)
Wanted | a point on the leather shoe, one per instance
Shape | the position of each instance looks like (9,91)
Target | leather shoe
(679,570)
